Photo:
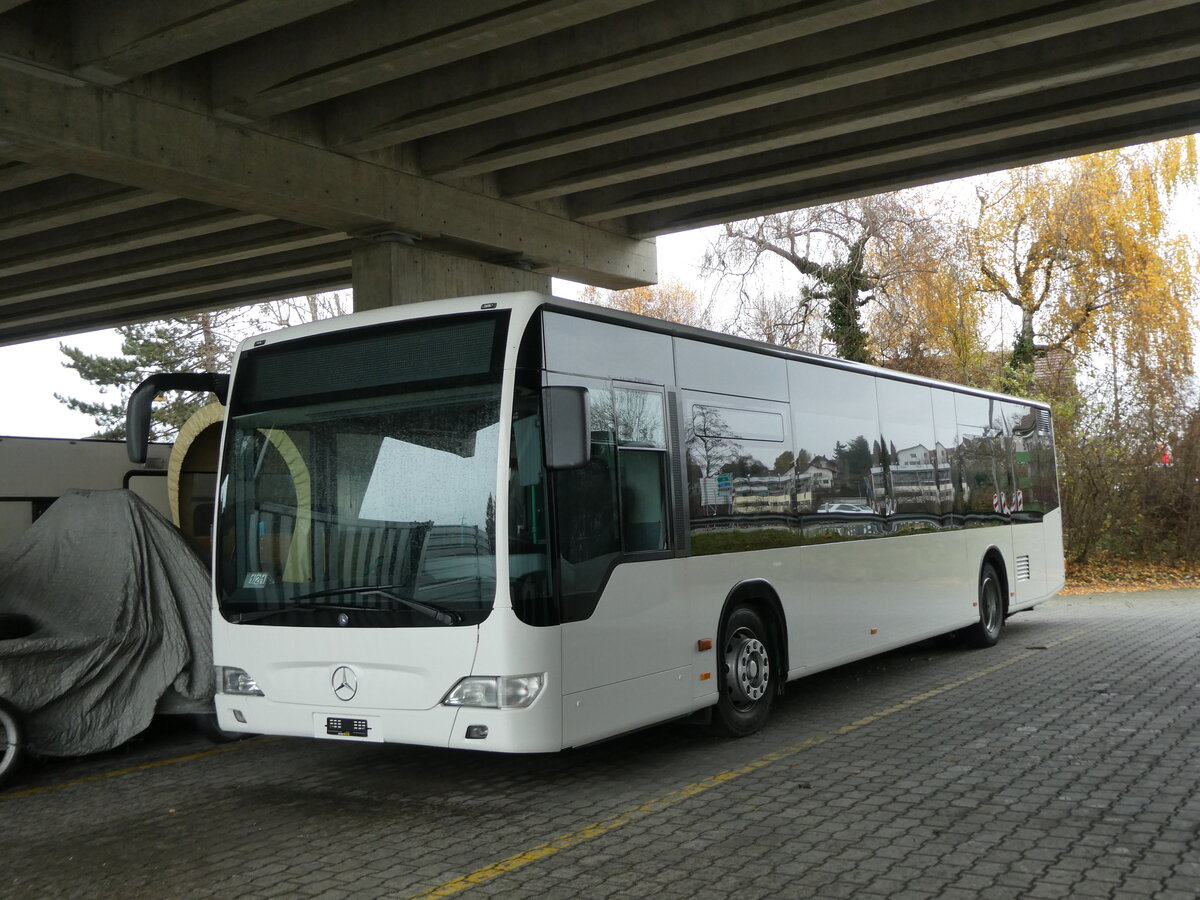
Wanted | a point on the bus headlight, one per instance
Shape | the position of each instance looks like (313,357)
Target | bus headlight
(237,681)
(496,692)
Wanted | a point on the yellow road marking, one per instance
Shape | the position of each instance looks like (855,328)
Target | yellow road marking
(596,829)
(117,773)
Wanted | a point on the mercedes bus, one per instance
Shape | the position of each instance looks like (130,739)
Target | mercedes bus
(521,524)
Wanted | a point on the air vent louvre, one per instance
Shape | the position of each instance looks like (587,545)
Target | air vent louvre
(1022,568)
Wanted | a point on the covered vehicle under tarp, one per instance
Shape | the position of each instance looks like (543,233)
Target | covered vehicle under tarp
(120,611)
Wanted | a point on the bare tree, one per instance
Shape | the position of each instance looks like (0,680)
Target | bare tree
(840,251)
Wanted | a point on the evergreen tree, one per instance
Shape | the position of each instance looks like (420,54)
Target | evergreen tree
(199,343)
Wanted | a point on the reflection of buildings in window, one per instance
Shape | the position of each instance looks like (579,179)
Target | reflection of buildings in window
(918,477)
(754,494)
(822,471)
(746,494)
(817,478)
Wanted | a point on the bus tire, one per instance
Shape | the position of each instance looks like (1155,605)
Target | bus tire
(12,741)
(986,632)
(746,686)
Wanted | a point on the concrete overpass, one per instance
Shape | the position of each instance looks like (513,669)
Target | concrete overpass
(163,156)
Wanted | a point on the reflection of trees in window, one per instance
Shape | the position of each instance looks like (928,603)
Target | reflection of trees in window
(980,458)
(852,459)
(708,456)
(1032,459)
(639,417)
(711,452)
(738,501)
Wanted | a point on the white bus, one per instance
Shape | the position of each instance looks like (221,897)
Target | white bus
(521,524)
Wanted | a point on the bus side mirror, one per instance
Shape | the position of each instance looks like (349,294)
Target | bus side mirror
(137,412)
(567,417)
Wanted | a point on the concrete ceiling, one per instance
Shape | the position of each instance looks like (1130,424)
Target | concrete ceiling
(163,156)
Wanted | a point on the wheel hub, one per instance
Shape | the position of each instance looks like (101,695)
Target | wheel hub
(749,668)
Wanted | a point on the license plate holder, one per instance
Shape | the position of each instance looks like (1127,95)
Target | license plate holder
(347,726)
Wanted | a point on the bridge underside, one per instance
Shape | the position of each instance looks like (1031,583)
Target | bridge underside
(165,156)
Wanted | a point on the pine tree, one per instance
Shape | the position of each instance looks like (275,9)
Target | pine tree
(200,343)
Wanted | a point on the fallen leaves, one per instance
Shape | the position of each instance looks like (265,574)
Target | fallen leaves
(1107,574)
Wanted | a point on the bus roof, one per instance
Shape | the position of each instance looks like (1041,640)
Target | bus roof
(529,301)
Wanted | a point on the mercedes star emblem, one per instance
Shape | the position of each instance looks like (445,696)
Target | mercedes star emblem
(345,683)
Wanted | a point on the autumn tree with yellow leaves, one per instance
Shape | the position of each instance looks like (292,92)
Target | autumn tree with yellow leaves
(668,300)
(928,319)
(1082,252)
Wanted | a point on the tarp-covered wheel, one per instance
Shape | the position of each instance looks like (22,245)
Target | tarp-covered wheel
(12,741)
(15,625)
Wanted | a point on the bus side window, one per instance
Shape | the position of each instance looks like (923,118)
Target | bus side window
(639,420)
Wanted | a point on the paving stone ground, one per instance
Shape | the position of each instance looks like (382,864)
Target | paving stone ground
(1064,762)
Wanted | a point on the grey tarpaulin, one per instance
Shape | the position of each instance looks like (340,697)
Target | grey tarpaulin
(121,604)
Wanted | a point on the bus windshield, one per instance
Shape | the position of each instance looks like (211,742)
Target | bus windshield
(373,510)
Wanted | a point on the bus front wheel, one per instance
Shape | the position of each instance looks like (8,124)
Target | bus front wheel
(986,631)
(746,688)
(12,741)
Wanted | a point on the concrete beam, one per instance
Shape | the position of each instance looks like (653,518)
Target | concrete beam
(374,41)
(857,57)
(998,126)
(108,133)
(922,170)
(69,201)
(15,175)
(249,281)
(33,40)
(220,249)
(646,42)
(921,94)
(166,223)
(390,274)
(114,42)
(90,318)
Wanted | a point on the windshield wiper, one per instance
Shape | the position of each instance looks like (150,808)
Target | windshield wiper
(284,610)
(437,613)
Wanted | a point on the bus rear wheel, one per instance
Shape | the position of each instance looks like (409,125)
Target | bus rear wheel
(12,741)
(986,631)
(746,687)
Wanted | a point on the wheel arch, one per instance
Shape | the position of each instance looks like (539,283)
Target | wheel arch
(762,596)
(996,558)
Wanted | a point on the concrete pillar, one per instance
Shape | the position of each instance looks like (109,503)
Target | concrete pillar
(389,273)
